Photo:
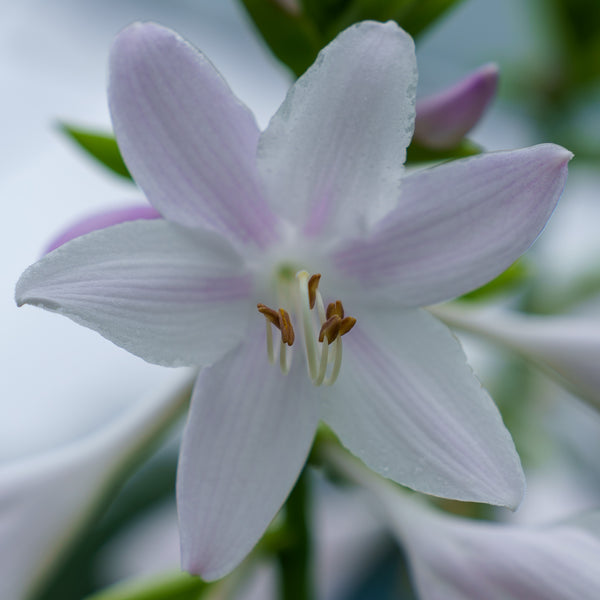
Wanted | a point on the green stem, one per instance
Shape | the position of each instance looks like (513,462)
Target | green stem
(294,559)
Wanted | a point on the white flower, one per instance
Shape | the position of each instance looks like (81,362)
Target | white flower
(253,218)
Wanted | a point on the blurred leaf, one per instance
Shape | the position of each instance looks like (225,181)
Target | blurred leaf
(296,36)
(509,280)
(414,16)
(578,26)
(292,37)
(102,146)
(323,12)
(418,153)
(178,586)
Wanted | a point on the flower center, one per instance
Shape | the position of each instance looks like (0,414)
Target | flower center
(321,328)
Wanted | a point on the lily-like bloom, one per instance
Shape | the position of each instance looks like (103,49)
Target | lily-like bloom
(46,500)
(443,119)
(453,558)
(565,347)
(307,223)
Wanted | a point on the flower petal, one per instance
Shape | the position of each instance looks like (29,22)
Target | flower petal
(189,143)
(336,146)
(409,406)
(249,432)
(567,348)
(171,295)
(46,500)
(444,119)
(457,225)
(453,558)
(101,221)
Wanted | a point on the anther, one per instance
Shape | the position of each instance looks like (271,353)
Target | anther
(331,329)
(313,284)
(285,324)
(346,324)
(281,320)
(271,315)
(335,308)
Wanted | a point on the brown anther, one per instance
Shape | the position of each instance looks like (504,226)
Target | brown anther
(313,284)
(347,324)
(335,308)
(271,315)
(330,328)
(285,324)
(281,320)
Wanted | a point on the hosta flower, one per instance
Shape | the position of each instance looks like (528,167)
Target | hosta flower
(290,265)
(453,558)
(443,119)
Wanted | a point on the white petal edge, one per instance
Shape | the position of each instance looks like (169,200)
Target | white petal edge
(408,405)
(248,435)
(457,225)
(332,155)
(46,500)
(171,295)
(189,143)
(567,348)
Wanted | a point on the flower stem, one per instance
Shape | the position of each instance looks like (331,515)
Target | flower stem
(294,559)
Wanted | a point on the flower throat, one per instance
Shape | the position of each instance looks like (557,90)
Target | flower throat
(321,332)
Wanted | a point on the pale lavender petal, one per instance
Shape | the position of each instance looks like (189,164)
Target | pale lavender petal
(101,221)
(453,558)
(409,406)
(248,434)
(444,119)
(565,347)
(189,143)
(457,226)
(173,296)
(46,500)
(333,153)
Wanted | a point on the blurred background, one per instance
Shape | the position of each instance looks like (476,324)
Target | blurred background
(62,381)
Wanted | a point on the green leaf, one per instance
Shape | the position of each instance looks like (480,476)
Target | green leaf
(297,36)
(417,153)
(507,281)
(176,586)
(292,37)
(102,146)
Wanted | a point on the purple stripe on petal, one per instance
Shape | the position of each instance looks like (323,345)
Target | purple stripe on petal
(189,143)
(444,119)
(101,221)
(457,226)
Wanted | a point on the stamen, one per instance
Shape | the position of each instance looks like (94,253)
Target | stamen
(270,349)
(346,325)
(322,336)
(281,320)
(285,324)
(284,363)
(313,284)
(335,308)
(269,313)
(330,328)
(337,362)
(307,325)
